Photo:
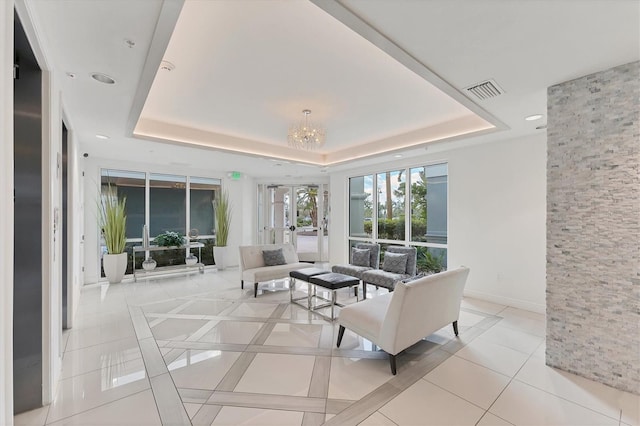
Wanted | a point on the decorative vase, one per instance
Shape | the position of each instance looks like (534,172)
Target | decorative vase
(149,264)
(191,260)
(114,265)
(219,255)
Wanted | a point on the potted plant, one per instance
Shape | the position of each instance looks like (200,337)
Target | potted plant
(222,214)
(113,221)
(169,239)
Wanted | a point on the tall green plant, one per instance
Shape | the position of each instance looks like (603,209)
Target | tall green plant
(113,221)
(222,213)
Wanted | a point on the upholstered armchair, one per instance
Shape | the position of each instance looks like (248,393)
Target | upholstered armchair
(416,309)
(399,263)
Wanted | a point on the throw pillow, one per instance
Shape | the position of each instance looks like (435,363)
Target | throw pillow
(273,257)
(395,262)
(360,257)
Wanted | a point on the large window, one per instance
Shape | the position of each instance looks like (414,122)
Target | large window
(163,202)
(411,210)
(391,197)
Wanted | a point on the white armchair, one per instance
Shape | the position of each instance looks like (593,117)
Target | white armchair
(397,320)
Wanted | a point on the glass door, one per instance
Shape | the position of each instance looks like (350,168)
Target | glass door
(279,227)
(296,215)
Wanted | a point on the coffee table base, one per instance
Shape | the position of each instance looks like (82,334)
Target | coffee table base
(312,293)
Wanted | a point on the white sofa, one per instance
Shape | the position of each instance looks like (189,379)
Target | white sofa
(253,269)
(414,310)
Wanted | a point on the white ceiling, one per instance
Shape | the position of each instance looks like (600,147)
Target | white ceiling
(246,69)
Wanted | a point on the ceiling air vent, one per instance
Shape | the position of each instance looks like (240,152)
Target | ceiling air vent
(485,89)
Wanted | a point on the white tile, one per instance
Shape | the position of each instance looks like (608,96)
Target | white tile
(36,417)
(206,307)
(90,390)
(232,332)
(470,381)
(196,369)
(300,335)
(467,319)
(481,305)
(424,403)
(95,357)
(138,409)
(105,332)
(522,404)
(278,374)
(191,408)
(527,321)
(514,339)
(257,416)
(254,310)
(164,307)
(377,419)
(590,394)
(496,357)
(177,329)
(492,420)
(353,378)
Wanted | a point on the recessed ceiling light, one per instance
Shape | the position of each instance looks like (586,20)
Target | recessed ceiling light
(71,75)
(541,127)
(533,117)
(102,78)
(99,136)
(397,156)
(167,66)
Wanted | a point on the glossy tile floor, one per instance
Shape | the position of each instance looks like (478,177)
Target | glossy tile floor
(199,350)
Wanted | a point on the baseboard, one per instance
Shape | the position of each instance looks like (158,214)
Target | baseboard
(515,303)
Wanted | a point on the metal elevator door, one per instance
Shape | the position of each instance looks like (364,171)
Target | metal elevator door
(27,281)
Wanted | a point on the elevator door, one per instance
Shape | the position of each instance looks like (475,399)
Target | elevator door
(27,280)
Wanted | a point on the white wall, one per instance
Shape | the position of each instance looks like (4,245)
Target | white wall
(497,217)
(6,212)
(238,190)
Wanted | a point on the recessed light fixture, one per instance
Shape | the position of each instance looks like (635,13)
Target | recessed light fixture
(102,78)
(99,136)
(71,75)
(167,66)
(533,117)
(541,127)
(397,156)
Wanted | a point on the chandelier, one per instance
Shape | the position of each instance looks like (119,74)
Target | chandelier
(306,135)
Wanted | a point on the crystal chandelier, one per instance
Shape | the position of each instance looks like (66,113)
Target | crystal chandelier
(306,135)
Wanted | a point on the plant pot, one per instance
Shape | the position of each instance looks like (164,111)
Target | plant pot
(220,257)
(114,266)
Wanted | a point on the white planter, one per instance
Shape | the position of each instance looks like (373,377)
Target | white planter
(114,266)
(220,257)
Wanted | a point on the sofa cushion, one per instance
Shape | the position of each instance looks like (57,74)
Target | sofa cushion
(268,273)
(382,278)
(360,257)
(395,262)
(273,257)
(354,271)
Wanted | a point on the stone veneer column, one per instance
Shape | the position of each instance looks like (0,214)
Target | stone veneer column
(593,227)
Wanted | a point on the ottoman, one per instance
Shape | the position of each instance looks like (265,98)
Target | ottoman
(304,275)
(332,281)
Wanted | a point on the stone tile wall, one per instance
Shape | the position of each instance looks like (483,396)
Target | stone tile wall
(593,227)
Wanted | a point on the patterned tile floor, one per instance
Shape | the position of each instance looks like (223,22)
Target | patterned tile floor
(199,350)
